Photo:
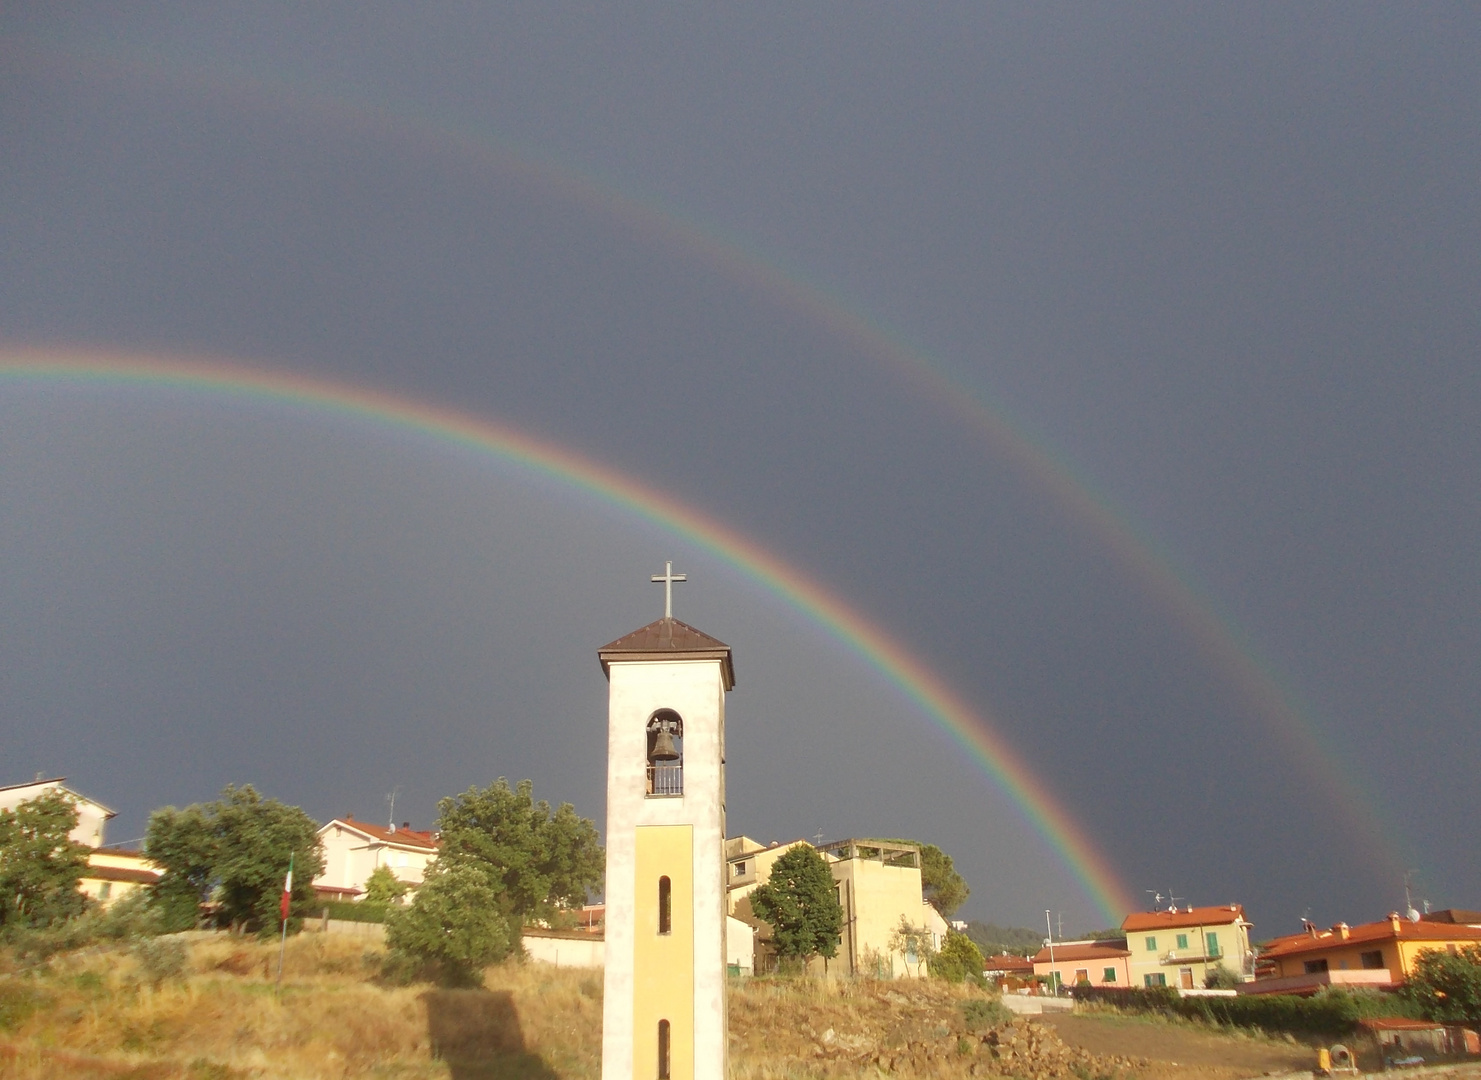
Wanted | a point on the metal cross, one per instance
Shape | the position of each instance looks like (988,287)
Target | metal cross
(668,577)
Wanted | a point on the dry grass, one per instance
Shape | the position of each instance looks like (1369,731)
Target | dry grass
(99,1014)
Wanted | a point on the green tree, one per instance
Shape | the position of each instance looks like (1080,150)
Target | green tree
(234,851)
(993,939)
(958,959)
(940,883)
(536,860)
(40,865)
(1447,985)
(801,904)
(383,888)
(913,943)
(453,928)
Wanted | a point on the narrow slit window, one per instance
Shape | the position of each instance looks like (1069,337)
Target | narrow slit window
(665,909)
(663,1047)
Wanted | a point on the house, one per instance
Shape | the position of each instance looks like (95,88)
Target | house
(878,885)
(112,872)
(1453,915)
(1085,963)
(115,872)
(92,817)
(1009,973)
(1378,954)
(1181,946)
(353,849)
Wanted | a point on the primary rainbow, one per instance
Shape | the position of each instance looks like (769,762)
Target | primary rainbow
(906,671)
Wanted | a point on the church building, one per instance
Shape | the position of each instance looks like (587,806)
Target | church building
(664,1010)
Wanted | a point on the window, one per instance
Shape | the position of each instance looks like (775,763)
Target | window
(1108,975)
(1211,944)
(665,753)
(1182,941)
(1151,944)
(106,890)
(1156,978)
(1315,967)
(1082,976)
(663,1047)
(740,869)
(1371,960)
(665,906)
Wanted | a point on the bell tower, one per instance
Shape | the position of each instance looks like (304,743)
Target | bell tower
(663,1013)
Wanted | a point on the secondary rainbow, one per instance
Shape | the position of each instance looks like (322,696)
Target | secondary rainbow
(1374,838)
(906,671)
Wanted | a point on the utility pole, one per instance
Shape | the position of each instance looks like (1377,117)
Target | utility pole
(1053,974)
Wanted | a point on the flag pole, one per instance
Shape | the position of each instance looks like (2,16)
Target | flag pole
(283,911)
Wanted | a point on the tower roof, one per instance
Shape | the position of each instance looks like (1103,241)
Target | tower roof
(669,639)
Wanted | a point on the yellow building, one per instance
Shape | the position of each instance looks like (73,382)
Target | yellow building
(113,873)
(1180,947)
(878,885)
(1378,954)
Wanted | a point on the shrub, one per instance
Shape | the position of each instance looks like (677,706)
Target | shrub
(161,958)
(958,959)
(354,911)
(451,932)
(1446,987)
(980,1013)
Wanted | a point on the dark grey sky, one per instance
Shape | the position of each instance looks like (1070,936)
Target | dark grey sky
(1223,262)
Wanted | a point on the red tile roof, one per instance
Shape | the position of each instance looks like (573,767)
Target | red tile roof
(663,639)
(1006,962)
(413,838)
(1069,952)
(121,873)
(1384,930)
(1167,920)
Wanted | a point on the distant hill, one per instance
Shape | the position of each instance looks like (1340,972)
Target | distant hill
(992,938)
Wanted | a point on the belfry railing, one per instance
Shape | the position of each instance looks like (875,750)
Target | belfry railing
(665,779)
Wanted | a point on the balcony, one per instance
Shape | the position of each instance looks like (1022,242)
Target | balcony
(665,780)
(1191,956)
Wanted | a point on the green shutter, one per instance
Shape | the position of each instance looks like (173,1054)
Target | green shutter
(1151,944)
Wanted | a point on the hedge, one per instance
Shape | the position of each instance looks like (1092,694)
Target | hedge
(351,911)
(1327,1013)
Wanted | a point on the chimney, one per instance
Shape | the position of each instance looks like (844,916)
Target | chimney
(406,826)
(1342,930)
(349,817)
(1393,921)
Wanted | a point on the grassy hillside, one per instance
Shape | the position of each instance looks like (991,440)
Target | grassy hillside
(207,1010)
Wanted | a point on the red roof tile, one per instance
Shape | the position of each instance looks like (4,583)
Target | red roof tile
(121,873)
(663,639)
(413,838)
(1008,963)
(1383,930)
(1100,950)
(1138,921)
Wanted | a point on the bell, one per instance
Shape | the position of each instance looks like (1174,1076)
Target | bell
(663,746)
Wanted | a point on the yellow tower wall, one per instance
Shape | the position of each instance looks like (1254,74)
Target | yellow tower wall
(663,964)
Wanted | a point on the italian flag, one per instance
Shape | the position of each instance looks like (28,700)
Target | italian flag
(287,889)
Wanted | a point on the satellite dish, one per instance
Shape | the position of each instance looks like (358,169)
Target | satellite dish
(1413,915)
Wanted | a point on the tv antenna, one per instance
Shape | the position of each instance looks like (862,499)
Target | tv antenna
(391,798)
